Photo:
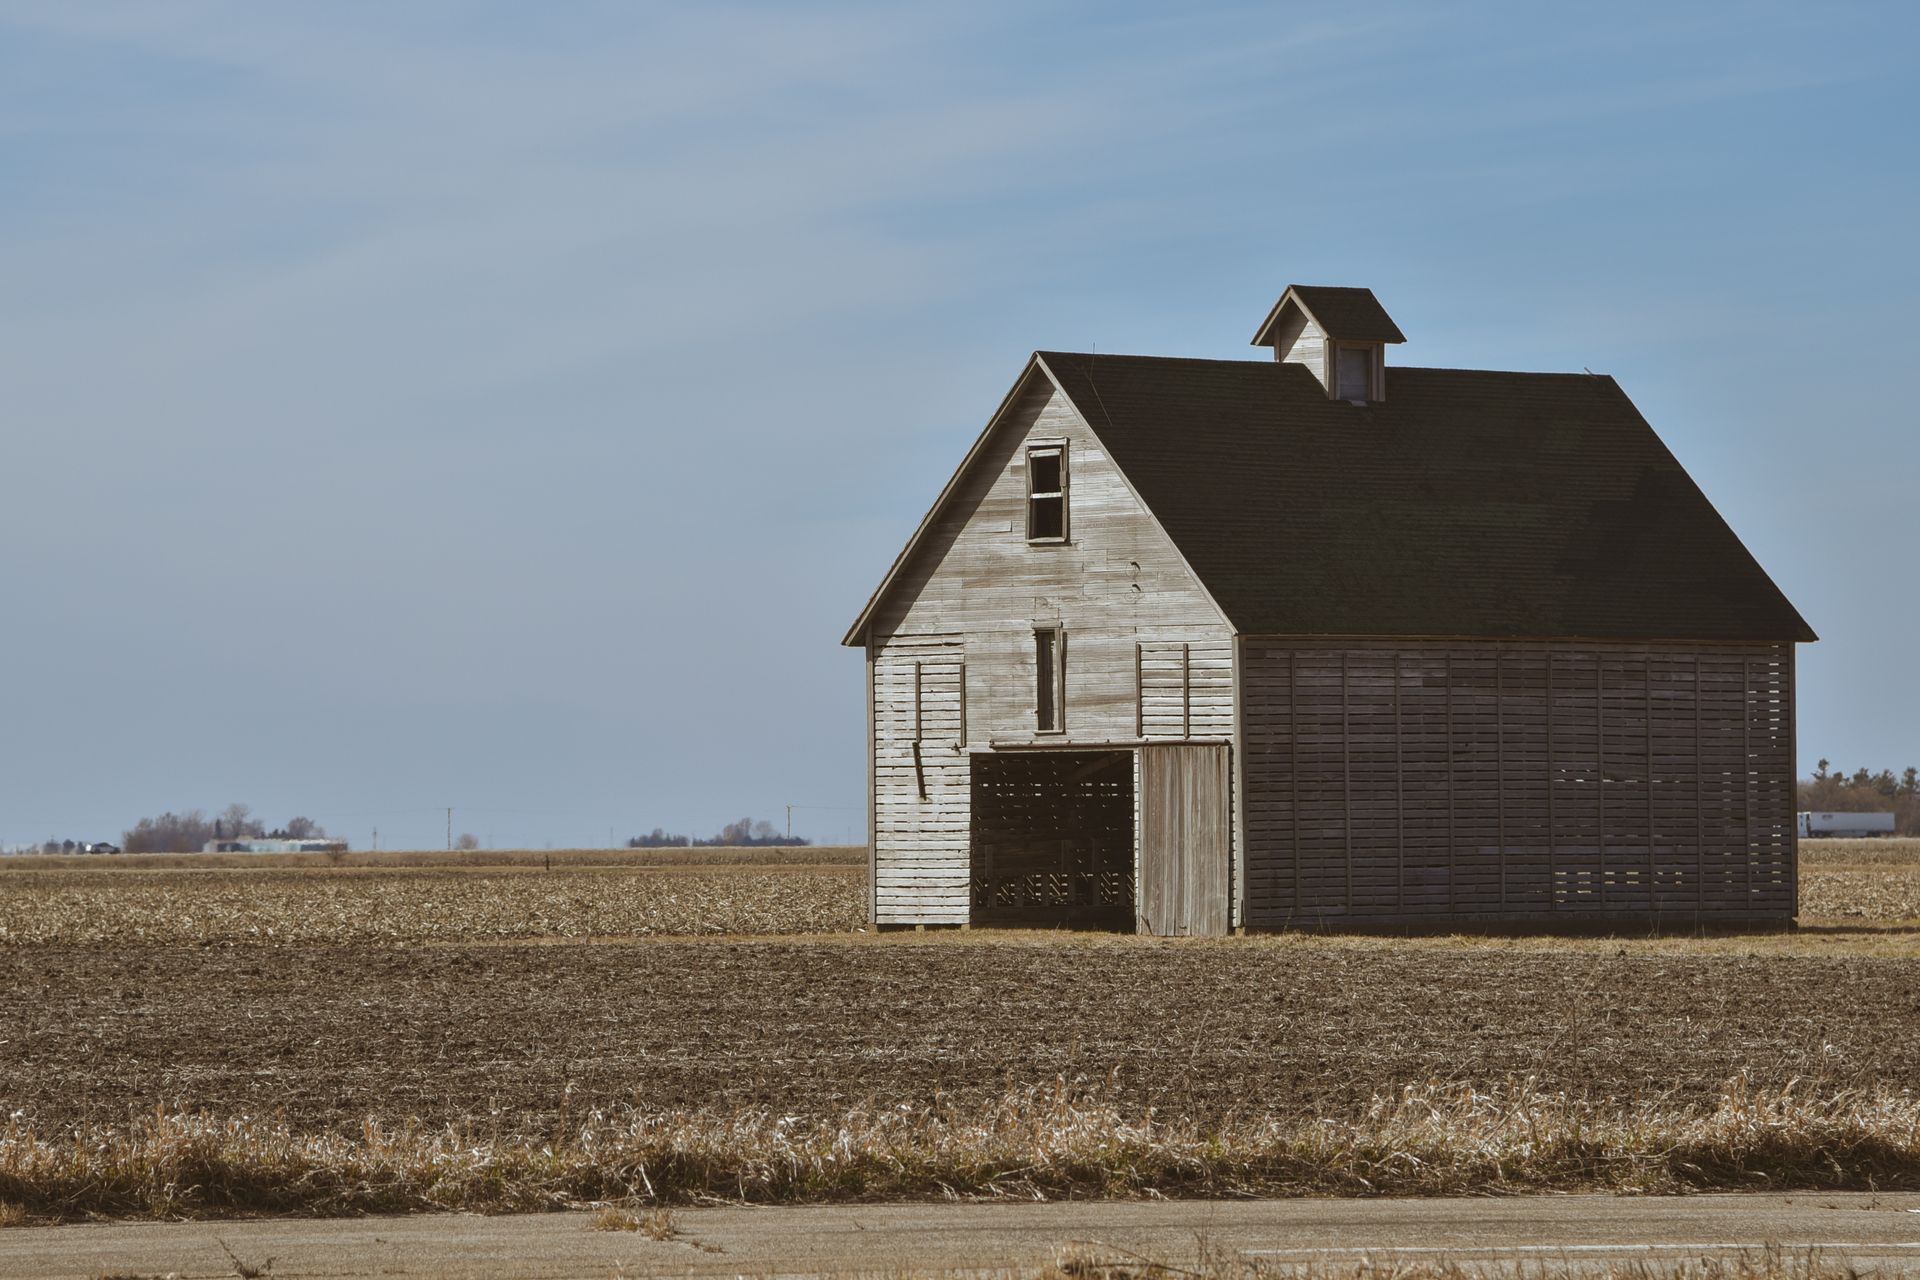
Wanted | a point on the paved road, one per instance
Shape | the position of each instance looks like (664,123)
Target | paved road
(1880,1233)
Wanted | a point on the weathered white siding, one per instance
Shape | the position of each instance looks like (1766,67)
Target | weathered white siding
(921,781)
(1302,341)
(976,588)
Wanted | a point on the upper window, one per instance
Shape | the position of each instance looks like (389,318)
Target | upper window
(1047,493)
(1356,373)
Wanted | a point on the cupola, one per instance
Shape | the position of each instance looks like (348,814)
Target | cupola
(1339,334)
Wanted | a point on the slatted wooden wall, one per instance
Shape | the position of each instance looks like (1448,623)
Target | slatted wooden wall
(1186,688)
(1517,781)
(920,781)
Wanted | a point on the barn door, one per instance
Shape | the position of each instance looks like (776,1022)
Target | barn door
(1185,818)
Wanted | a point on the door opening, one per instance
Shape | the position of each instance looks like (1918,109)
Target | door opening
(1052,839)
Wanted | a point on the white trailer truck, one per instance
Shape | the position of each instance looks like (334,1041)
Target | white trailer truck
(1843,826)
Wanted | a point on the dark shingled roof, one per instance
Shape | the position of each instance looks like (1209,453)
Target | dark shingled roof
(1468,503)
(1348,315)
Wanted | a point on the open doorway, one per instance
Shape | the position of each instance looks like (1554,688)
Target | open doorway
(1052,839)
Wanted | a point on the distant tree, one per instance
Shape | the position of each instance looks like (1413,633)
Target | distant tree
(467,841)
(658,838)
(304,829)
(237,822)
(1820,770)
(172,833)
(1910,781)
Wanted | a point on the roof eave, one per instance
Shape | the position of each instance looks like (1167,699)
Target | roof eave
(856,634)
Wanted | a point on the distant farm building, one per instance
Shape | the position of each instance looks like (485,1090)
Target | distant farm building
(1846,825)
(265,844)
(1191,645)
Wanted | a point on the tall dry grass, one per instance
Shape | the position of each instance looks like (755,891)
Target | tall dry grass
(1063,1142)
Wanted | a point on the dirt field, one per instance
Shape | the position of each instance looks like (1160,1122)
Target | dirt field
(328,1036)
(407,987)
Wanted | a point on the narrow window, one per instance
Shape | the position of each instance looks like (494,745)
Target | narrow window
(1049,679)
(1356,373)
(1047,493)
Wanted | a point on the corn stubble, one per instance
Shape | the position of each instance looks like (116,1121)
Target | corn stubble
(1058,1142)
(267,904)
(414,905)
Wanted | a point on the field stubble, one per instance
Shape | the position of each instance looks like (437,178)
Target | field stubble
(411,904)
(399,899)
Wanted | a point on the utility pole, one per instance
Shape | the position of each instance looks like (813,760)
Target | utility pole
(789,822)
(376,839)
(449,828)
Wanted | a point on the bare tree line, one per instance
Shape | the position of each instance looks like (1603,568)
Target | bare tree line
(744,833)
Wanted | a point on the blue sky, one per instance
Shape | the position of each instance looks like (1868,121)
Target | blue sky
(508,406)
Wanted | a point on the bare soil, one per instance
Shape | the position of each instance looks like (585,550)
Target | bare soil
(328,1036)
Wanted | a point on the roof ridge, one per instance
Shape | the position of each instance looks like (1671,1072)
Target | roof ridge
(1275,364)
(1120,355)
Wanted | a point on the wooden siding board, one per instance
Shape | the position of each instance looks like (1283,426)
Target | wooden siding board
(1515,779)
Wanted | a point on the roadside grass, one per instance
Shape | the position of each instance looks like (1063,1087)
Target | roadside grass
(1092,1262)
(1059,1142)
(654,1224)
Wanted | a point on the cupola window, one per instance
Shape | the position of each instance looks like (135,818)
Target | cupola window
(1355,372)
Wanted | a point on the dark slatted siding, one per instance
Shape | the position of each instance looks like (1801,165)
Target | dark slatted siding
(1517,780)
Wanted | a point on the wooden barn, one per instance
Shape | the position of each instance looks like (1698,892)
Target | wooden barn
(1193,645)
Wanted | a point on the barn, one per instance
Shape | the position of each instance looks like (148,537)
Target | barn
(1188,646)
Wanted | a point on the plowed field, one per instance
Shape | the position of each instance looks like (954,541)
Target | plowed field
(326,1036)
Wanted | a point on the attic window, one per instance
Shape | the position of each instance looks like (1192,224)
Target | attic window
(1356,372)
(1047,493)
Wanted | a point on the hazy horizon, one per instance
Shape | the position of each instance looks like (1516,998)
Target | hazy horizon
(510,408)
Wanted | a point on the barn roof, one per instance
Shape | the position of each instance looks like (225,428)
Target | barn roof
(1347,314)
(1467,503)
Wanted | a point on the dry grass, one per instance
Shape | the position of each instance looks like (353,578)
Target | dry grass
(654,1224)
(423,905)
(1061,1142)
